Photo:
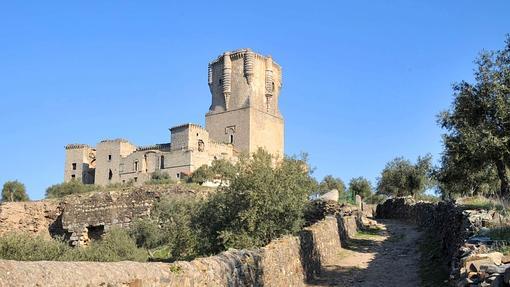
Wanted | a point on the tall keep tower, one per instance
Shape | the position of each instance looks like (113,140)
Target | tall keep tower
(245,88)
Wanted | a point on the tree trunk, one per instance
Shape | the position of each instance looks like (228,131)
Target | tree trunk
(503,177)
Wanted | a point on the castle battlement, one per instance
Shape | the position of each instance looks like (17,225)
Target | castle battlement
(76,146)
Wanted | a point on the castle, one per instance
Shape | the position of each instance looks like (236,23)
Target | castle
(243,116)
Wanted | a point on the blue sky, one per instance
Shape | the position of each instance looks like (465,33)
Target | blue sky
(363,80)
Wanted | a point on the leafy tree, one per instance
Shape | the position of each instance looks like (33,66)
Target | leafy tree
(360,186)
(14,191)
(329,182)
(400,177)
(263,201)
(202,174)
(478,127)
(224,169)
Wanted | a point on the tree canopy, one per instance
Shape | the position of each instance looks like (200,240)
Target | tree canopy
(400,177)
(477,142)
(329,182)
(360,186)
(14,191)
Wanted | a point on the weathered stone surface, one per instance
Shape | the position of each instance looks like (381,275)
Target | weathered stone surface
(35,217)
(332,195)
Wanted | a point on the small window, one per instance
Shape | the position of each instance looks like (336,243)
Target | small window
(110,174)
(197,134)
(136,179)
(74,166)
(109,157)
(221,82)
(123,181)
(135,165)
(178,175)
(162,162)
(201,145)
(231,139)
(73,176)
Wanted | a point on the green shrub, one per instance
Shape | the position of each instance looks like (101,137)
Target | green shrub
(71,187)
(169,233)
(262,202)
(22,246)
(116,245)
(201,175)
(159,177)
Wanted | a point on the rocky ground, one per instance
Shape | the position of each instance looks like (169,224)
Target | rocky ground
(384,256)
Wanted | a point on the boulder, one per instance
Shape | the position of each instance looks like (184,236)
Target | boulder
(332,195)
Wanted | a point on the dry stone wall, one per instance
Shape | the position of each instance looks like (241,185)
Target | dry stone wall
(288,261)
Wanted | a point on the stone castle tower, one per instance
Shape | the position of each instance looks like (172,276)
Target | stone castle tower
(245,88)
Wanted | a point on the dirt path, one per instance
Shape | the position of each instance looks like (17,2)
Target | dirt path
(384,256)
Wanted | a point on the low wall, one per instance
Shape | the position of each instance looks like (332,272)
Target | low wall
(289,261)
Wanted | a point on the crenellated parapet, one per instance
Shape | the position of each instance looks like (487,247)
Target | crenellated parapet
(76,146)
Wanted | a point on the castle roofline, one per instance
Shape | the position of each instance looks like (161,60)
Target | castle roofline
(115,140)
(187,125)
(76,146)
(240,53)
(162,146)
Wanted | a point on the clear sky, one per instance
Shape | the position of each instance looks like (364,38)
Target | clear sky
(363,80)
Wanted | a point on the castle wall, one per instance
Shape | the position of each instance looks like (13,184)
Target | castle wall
(222,126)
(108,158)
(79,163)
(266,131)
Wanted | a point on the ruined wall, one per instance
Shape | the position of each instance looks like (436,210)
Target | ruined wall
(288,261)
(35,217)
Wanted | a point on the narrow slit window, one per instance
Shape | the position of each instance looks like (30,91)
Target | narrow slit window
(231,139)
(110,174)
(162,162)
(109,157)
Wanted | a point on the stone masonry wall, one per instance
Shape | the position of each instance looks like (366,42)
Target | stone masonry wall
(288,261)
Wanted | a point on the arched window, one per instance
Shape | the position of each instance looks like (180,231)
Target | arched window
(110,174)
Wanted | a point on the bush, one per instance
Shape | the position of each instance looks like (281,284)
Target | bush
(116,245)
(261,203)
(159,177)
(201,175)
(67,188)
(22,246)
(169,233)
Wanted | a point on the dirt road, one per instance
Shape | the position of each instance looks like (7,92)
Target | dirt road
(384,256)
